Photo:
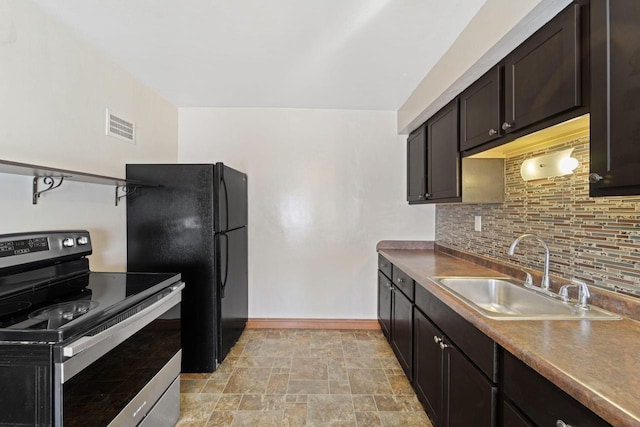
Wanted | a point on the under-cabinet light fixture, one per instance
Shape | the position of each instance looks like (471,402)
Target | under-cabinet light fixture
(558,163)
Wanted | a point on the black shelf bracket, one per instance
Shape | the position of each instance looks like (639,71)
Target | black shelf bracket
(124,191)
(49,181)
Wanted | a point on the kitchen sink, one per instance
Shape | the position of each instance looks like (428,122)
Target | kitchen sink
(507,299)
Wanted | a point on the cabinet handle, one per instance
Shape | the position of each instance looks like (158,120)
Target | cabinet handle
(560,423)
(443,345)
(506,125)
(400,280)
(594,177)
(426,196)
(492,132)
(437,339)
(383,265)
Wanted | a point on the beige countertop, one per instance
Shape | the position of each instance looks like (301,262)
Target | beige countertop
(597,362)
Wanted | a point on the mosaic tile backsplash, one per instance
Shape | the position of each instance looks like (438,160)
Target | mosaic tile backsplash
(593,239)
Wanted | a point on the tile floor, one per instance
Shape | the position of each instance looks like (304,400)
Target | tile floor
(294,377)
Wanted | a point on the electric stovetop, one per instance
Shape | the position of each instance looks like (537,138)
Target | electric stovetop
(36,310)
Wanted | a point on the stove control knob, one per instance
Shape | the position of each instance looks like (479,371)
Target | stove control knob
(68,242)
(83,240)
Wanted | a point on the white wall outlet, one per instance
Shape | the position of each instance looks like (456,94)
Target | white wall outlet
(478,223)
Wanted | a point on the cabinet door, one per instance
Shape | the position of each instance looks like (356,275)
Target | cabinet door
(481,110)
(470,397)
(402,330)
(443,158)
(615,104)
(384,304)
(417,165)
(542,76)
(511,417)
(427,366)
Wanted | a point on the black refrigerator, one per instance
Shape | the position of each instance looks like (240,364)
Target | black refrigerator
(194,222)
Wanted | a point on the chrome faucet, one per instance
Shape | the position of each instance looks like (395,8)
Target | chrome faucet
(545,277)
(583,293)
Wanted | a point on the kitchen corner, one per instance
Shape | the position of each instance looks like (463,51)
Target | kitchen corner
(592,361)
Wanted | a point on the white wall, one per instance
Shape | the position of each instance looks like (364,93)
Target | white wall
(324,187)
(54,89)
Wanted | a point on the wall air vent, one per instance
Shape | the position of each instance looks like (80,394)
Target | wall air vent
(120,128)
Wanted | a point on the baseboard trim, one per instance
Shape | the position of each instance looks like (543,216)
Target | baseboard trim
(268,323)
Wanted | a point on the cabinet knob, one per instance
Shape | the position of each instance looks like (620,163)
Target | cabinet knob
(388,285)
(437,339)
(426,196)
(506,125)
(594,177)
(492,132)
(400,280)
(383,265)
(443,345)
(560,423)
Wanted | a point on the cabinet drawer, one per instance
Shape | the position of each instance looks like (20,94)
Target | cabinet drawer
(542,401)
(403,282)
(478,347)
(384,265)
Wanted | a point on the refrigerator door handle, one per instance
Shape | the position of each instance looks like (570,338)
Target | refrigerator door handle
(226,201)
(223,283)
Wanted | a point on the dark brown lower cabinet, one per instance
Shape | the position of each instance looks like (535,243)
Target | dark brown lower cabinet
(470,397)
(511,417)
(384,304)
(456,369)
(454,392)
(428,366)
(402,330)
(539,402)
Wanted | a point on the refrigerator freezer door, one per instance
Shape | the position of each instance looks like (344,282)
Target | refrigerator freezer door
(230,198)
(231,254)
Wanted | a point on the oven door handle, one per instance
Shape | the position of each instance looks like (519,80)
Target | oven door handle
(127,327)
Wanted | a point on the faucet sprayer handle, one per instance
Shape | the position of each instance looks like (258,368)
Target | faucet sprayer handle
(564,293)
(529,279)
(583,294)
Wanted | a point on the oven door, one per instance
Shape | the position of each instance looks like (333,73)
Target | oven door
(125,373)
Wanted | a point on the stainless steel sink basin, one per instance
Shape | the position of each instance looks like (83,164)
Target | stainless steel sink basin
(504,298)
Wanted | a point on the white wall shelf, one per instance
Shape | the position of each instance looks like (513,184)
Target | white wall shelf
(52,178)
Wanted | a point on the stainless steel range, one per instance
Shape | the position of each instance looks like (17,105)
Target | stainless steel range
(80,348)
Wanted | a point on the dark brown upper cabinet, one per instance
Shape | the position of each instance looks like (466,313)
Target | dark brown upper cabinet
(615,91)
(542,75)
(443,156)
(433,159)
(481,110)
(417,165)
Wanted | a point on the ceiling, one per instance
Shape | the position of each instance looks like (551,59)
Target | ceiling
(335,54)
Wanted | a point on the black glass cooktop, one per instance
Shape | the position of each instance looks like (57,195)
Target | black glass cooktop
(53,311)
